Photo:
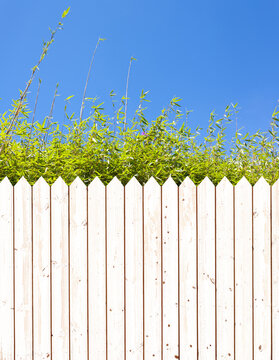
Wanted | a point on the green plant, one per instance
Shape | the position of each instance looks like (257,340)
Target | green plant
(107,146)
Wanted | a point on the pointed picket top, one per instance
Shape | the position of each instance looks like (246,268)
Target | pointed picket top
(77,184)
(41,182)
(115,183)
(276,185)
(187,183)
(22,182)
(261,183)
(169,183)
(5,182)
(224,183)
(59,189)
(96,182)
(59,182)
(206,183)
(243,182)
(151,182)
(133,183)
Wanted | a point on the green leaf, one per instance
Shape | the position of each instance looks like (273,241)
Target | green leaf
(69,97)
(65,12)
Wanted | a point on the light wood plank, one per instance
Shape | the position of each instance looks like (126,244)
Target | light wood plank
(97,270)
(188,270)
(243,270)
(225,270)
(206,270)
(275,270)
(60,279)
(41,270)
(23,270)
(115,270)
(170,269)
(262,271)
(6,271)
(134,270)
(78,270)
(152,269)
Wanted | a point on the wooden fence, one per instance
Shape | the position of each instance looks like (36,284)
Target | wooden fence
(139,272)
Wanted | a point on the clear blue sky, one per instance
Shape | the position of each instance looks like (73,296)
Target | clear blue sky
(210,53)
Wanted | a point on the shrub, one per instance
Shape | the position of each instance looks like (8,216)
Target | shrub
(103,146)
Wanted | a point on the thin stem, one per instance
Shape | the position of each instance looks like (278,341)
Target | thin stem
(51,112)
(87,79)
(33,117)
(35,107)
(24,93)
(126,95)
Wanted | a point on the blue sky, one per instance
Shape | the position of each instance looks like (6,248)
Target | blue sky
(209,53)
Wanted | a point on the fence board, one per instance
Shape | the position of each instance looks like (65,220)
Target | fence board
(225,270)
(262,267)
(134,270)
(243,271)
(78,270)
(206,270)
(170,269)
(152,270)
(275,270)
(6,271)
(41,270)
(97,270)
(115,270)
(23,270)
(188,270)
(60,279)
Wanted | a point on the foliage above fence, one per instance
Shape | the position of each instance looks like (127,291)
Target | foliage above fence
(160,148)
(104,145)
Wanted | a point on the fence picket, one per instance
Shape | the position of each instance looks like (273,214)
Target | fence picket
(134,270)
(170,269)
(60,279)
(6,271)
(206,270)
(243,271)
(188,270)
(97,270)
(225,270)
(115,270)
(262,274)
(152,270)
(275,270)
(78,270)
(41,270)
(23,270)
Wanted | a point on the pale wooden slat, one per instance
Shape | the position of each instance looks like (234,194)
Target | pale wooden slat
(275,270)
(152,269)
(97,270)
(188,270)
(23,270)
(60,280)
(170,269)
(262,271)
(41,270)
(243,270)
(206,270)
(78,270)
(115,270)
(6,271)
(225,270)
(134,270)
